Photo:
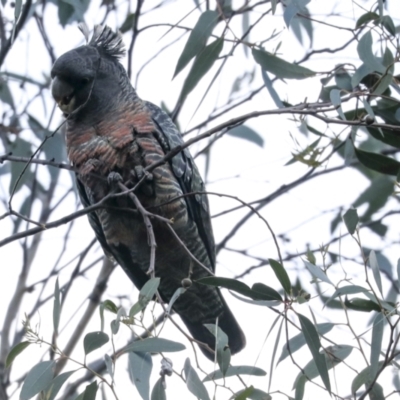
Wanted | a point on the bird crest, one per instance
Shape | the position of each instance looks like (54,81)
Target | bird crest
(107,41)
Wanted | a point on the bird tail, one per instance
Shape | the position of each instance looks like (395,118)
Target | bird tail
(228,324)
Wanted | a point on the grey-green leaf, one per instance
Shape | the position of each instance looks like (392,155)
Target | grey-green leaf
(333,356)
(364,49)
(373,262)
(178,292)
(281,274)
(350,289)
(317,272)
(56,384)
(94,340)
(244,132)
(298,341)
(376,344)
(148,291)
(38,378)
(193,382)
(221,347)
(158,392)
(252,393)
(56,307)
(154,345)
(20,147)
(109,365)
(90,391)
(313,343)
(197,39)
(279,67)
(140,366)
(350,219)
(363,378)
(202,64)
(15,351)
(233,371)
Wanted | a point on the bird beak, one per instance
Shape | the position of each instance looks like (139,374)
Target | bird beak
(63,94)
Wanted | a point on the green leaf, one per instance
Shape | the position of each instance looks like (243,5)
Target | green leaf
(365,18)
(158,392)
(90,391)
(244,132)
(364,49)
(262,293)
(376,195)
(385,136)
(221,347)
(193,382)
(127,25)
(313,343)
(298,341)
(265,292)
(350,219)
(56,307)
(65,12)
(38,378)
(15,351)
(94,340)
(317,272)
(359,304)
(197,39)
(279,67)
(202,64)
(110,306)
(281,274)
(252,394)
(233,371)
(373,263)
(388,24)
(56,384)
(5,93)
(244,394)
(140,366)
(154,345)
(350,289)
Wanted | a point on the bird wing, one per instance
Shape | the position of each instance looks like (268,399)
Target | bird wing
(188,176)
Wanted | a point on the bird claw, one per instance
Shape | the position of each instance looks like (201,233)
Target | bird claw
(140,172)
(114,178)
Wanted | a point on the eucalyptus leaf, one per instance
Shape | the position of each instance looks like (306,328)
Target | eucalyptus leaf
(197,39)
(94,340)
(279,67)
(154,345)
(193,382)
(38,379)
(140,366)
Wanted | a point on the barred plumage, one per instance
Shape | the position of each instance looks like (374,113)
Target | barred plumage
(110,129)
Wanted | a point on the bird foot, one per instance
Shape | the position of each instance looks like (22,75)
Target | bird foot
(140,172)
(114,178)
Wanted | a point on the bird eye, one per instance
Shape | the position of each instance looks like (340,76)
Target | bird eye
(84,81)
(67,99)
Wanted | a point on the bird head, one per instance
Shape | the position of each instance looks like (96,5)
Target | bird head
(85,75)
